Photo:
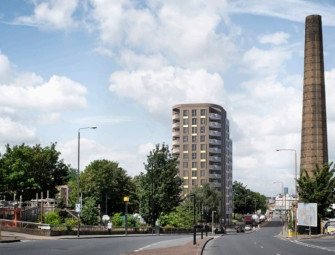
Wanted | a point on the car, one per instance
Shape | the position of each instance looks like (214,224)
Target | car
(330,228)
(239,229)
(248,227)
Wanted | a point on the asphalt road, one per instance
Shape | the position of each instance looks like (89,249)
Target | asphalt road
(264,241)
(101,246)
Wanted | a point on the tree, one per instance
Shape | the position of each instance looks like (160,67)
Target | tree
(90,213)
(26,170)
(160,187)
(208,199)
(104,178)
(246,201)
(320,189)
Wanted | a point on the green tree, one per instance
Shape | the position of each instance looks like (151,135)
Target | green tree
(26,170)
(246,201)
(104,178)
(319,189)
(160,186)
(90,212)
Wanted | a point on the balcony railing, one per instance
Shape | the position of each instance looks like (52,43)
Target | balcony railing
(175,142)
(175,125)
(215,176)
(214,133)
(215,116)
(175,150)
(214,124)
(213,150)
(176,133)
(214,141)
(216,184)
(214,167)
(215,159)
(175,116)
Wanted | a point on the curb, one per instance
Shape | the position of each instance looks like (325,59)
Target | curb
(203,247)
(10,241)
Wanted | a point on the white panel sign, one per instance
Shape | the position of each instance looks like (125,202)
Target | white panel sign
(307,214)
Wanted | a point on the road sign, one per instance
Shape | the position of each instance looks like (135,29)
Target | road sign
(78,208)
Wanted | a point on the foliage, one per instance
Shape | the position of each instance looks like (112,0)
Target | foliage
(207,200)
(26,170)
(71,223)
(160,187)
(52,218)
(246,201)
(133,222)
(181,217)
(105,178)
(319,189)
(90,212)
(116,220)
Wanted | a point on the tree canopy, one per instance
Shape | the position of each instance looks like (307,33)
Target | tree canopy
(160,186)
(320,189)
(26,170)
(247,201)
(104,178)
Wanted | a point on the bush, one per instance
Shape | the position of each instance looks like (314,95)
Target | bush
(52,218)
(117,221)
(70,223)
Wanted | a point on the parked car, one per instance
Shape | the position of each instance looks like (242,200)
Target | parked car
(330,227)
(248,227)
(239,229)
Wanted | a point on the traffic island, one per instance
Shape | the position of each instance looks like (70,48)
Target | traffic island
(187,249)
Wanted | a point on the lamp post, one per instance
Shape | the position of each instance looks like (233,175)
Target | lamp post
(194,225)
(245,204)
(126,200)
(213,222)
(295,169)
(78,179)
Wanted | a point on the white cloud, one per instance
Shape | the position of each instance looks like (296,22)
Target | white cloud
(91,150)
(295,10)
(188,33)
(54,14)
(265,61)
(12,131)
(4,68)
(158,90)
(58,94)
(275,38)
(144,149)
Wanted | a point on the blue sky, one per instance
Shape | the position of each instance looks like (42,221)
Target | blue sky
(121,65)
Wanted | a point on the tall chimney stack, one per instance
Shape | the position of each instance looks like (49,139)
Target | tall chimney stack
(314,147)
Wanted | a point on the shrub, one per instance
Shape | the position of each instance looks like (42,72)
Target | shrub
(52,218)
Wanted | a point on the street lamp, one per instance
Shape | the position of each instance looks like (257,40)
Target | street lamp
(194,225)
(126,200)
(295,169)
(78,179)
(213,221)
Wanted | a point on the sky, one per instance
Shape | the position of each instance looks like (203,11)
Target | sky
(121,65)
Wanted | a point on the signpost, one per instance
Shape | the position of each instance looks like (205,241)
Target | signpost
(308,215)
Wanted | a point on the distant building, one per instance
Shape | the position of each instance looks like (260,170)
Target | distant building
(285,190)
(284,202)
(201,143)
